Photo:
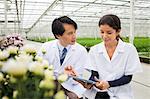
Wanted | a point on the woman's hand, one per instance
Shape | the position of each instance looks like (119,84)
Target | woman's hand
(70,71)
(101,84)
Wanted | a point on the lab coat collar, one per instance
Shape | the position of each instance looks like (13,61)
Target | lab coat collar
(60,47)
(119,48)
(69,53)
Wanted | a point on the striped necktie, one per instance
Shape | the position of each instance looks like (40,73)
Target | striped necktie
(64,52)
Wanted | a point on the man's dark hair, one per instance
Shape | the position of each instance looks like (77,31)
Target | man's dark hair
(57,25)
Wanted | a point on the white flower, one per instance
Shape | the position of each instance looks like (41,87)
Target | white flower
(45,63)
(47,84)
(62,78)
(50,67)
(7,76)
(15,93)
(4,55)
(49,93)
(5,97)
(60,95)
(43,50)
(24,58)
(12,49)
(21,52)
(15,68)
(38,58)
(29,49)
(49,74)
(1,76)
(36,68)
(18,43)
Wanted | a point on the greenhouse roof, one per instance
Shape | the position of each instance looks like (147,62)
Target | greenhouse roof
(28,13)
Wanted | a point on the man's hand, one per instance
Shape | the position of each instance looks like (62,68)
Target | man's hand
(70,71)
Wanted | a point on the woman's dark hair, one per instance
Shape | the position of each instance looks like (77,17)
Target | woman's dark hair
(57,25)
(111,20)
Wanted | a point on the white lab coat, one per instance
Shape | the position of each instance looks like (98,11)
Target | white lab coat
(125,61)
(76,57)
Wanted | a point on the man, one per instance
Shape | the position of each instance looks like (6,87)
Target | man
(64,53)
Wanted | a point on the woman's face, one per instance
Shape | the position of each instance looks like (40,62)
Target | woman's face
(108,34)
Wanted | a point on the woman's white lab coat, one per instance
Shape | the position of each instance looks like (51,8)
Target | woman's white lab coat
(125,61)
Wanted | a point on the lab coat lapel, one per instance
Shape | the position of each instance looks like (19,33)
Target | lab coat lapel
(119,49)
(68,55)
(56,53)
(115,54)
(105,54)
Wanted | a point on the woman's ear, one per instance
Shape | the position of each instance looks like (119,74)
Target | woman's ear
(118,31)
(118,34)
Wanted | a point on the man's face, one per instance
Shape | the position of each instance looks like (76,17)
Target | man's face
(69,36)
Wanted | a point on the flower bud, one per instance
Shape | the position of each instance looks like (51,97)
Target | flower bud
(43,50)
(47,84)
(45,64)
(36,68)
(15,93)
(1,76)
(60,95)
(5,97)
(29,49)
(62,78)
(12,49)
(38,58)
(4,55)
(49,74)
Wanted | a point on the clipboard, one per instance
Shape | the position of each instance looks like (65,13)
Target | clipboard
(84,80)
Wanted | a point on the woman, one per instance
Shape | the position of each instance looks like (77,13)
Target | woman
(115,62)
